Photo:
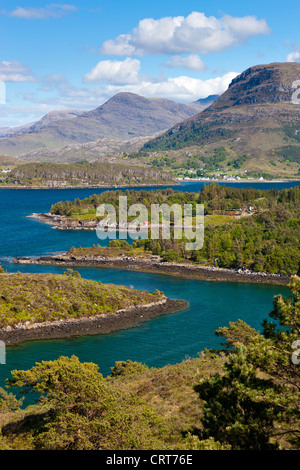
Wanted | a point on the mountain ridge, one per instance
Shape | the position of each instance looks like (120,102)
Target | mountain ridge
(123,116)
(255,117)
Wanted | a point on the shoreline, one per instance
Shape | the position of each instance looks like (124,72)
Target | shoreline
(63,222)
(96,186)
(97,325)
(176,182)
(240,181)
(185,271)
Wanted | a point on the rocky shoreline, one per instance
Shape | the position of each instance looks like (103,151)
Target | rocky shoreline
(92,186)
(100,324)
(62,222)
(154,265)
(176,182)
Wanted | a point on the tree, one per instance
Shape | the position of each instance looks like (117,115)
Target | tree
(255,402)
(83,411)
(72,273)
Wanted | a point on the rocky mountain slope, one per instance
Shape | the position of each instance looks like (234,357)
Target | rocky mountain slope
(100,150)
(124,116)
(44,121)
(255,119)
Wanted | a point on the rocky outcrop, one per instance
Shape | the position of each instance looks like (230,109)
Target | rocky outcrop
(154,264)
(65,223)
(255,109)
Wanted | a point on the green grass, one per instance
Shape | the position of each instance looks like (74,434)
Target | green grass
(111,252)
(37,298)
(218,219)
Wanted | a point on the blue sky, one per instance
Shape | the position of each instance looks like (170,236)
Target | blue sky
(77,54)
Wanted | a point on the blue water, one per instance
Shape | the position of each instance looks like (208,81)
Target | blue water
(164,340)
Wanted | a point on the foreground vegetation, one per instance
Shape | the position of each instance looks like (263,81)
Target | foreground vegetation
(38,298)
(244,228)
(244,397)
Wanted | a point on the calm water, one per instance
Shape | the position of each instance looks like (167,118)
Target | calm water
(164,340)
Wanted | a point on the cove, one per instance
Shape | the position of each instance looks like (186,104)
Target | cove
(165,340)
(168,339)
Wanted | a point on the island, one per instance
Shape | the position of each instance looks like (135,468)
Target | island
(46,306)
(248,233)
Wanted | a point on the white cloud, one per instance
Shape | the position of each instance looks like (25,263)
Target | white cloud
(120,46)
(179,35)
(13,71)
(49,11)
(293,56)
(191,62)
(123,76)
(182,89)
(55,93)
(114,72)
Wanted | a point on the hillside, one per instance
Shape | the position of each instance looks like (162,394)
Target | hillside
(124,116)
(254,121)
(6,161)
(56,175)
(44,121)
(102,149)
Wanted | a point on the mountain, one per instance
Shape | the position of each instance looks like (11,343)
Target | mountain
(54,116)
(44,121)
(124,116)
(203,103)
(255,121)
(102,149)
(4,131)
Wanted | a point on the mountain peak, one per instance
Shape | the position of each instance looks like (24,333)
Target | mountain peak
(124,116)
(271,83)
(126,98)
(255,120)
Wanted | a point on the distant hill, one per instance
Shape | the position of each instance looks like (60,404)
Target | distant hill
(254,120)
(203,103)
(44,121)
(55,175)
(124,116)
(102,149)
(6,161)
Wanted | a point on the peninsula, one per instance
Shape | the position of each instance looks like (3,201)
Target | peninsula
(46,306)
(246,229)
(138,260)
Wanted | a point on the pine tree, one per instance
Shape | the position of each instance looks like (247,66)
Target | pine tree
(255,403)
